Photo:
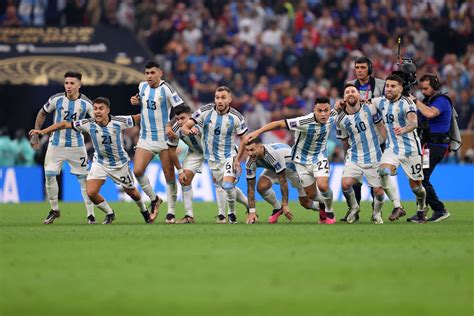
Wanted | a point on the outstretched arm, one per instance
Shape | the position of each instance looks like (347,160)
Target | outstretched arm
(252,216)
(40,118)
(412,123)
(266,128)
(284,195)
(52,128)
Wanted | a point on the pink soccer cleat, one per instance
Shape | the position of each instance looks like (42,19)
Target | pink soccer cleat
(274,217)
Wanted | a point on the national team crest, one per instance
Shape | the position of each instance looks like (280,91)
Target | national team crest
(176,98)
(292,124)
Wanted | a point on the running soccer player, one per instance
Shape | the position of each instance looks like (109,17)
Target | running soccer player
(356,127)
(276,160)
(310,152)
(192,164)
(110,158)
(220,123)
(402,145)
(65,145)
(156,99)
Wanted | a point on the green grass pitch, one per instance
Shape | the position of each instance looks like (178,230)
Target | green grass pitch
(297,268)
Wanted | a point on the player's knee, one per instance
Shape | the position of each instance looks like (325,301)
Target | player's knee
(138,172)
(378,192)
(323,187)
(417,188)
(261,189)
(384,172)
(228,186)
(346,185)
(305,202)
(91,192)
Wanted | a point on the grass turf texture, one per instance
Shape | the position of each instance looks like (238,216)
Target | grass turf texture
(298,268)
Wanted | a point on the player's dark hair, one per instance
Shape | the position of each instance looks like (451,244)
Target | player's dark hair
(349,84)
(432,79)
(322,100)
(223,88)
(151,63)
(182,108)
(395,78)
(73,74)
(256,140)
(102,100)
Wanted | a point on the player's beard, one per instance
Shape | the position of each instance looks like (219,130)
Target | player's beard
(352,102)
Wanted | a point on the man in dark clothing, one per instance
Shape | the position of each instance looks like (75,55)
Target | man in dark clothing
(434,114)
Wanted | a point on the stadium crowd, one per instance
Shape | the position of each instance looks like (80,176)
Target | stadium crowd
(278,56)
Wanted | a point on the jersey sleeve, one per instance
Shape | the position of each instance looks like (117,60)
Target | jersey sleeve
(199,115)
(376,103)
(90,109)
(300,123)
(241,127)
(82,125)
(173,98)
(410,106)
(251,169)
(341,132)
(279,164)
(50,106)
(174,142)
(126,121)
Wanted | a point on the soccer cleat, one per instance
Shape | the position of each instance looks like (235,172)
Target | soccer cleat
(397,213)
(330,218)
(170,219)
(221,219)
(377,218)
(419,217)
(109,218)
(154,208)
(274,217)
(146,217)
(52,216)
(232,218)
(185,220)
(91,219)
(352,216)
(439,216)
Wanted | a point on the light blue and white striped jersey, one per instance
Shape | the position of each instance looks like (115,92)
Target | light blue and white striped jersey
(194,142)
(218,131)
(277,157)
(395,115)
(359,128)
(310,138)
(156,104)
(68,110)
(107,140)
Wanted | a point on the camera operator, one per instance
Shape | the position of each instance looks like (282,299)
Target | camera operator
(434,115)
(369,87)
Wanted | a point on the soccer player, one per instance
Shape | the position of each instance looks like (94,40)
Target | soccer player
(110,158)
(65,145)
(402,145)
(220,123)
(276,160)
(310,152)
(156,99)
(192,164)
(356,127)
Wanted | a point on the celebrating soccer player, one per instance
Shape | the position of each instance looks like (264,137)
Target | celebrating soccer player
(110,158)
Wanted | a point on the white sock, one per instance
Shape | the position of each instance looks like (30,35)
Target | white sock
(171,195)
(105,207)
(271,198)
(241,198)
(390,189)
(351,198)
(314,206)
(146,187)
(52,190)
(141,205)
(420,194)
(188,200)
(378,203)
(327,198)
(87,201)
(221,198)
(230,194)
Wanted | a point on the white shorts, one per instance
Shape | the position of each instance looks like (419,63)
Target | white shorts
(412,165)
(309,173)
(292,177)
(193,162)
(154,147)
(356,171)
(122,176)
(76,157)
(222,169)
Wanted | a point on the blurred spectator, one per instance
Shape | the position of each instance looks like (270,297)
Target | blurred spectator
(8,150)
(10,18)
(25,154)
(74,12)
(32,11)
